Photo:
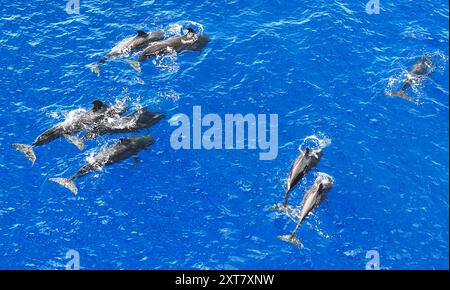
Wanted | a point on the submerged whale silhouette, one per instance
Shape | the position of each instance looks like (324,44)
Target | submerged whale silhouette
(419,71)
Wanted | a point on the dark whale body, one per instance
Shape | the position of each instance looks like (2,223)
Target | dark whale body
(307,159)
(313,197)
(191,41)
(82,119)
(121,150)
(418,72)
(138,120)
(129,45)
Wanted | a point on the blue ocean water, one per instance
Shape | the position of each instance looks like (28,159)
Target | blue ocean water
(322,66)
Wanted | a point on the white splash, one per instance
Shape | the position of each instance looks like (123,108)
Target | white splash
(315,142)
(167,61)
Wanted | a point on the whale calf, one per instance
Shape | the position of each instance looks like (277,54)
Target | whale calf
(191,41)
(418,72)
(76,121)
(307,159)
(121,150)
(311,200)
(127,46)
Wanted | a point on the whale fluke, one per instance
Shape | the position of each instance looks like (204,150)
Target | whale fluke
(291,239)
(95,68)
(401,94)
(278,206)
(136,65)
(67,183)
(281,207)
(27,150)
(75,141)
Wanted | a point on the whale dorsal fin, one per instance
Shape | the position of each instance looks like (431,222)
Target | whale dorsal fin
(141,33)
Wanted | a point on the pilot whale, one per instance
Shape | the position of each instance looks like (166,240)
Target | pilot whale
(133,122)
(137,120)
(191,41)
(307,159)
(121,150)
(76,122)
(418,72)
(129,45)
(311,200)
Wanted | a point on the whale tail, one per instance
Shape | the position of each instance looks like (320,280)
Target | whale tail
(401,94)
(291,238)
(95,68)
(77,141)
(281,207)
(27,150)
(278,206)
(136,65)
(67,183)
